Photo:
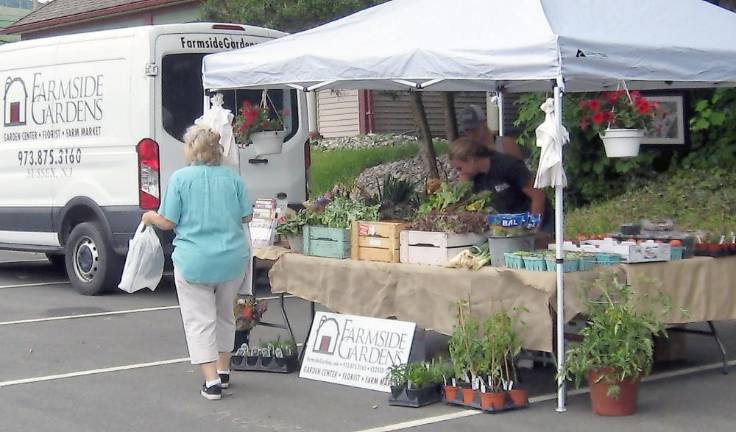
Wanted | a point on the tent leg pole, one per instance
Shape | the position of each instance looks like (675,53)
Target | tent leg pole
(499,101)
(559,235)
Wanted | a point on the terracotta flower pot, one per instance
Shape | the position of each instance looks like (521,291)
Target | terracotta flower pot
(468,396)
(519,397)
(496,400)
(450,393)
(602,404)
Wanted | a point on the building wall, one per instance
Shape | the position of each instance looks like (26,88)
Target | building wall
(170,15)
(338,112)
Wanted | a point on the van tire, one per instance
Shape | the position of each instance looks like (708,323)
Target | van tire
(92,265)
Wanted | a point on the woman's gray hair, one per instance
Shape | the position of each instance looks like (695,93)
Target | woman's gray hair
(203,145)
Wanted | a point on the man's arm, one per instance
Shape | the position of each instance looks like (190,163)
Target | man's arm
(537,198)
(511,148)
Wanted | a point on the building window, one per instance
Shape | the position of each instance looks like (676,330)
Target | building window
(17,4)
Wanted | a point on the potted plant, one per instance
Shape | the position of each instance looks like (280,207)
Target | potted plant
(466,351)
(415,384)
(260,125)
(617,346)
(619,118)
(329,219)
(291,226)
(501,345)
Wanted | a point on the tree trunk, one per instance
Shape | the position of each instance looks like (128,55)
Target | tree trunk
(426,148)
(448,100)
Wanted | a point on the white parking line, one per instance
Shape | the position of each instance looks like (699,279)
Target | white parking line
(101,314)
(539,399)
(91,372)
(37,284)
(89,315)
(25,261)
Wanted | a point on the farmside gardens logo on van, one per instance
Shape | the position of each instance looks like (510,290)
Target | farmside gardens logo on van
(46,108)
(214,42)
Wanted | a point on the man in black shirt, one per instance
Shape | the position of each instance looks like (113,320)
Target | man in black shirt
(508,178)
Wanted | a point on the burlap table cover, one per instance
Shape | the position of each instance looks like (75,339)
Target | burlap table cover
(427,295)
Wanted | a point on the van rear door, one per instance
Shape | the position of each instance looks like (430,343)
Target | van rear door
(180,101)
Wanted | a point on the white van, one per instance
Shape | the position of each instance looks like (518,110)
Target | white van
(92,128)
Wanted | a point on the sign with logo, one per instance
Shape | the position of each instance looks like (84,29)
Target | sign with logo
(355,351)
(41,106)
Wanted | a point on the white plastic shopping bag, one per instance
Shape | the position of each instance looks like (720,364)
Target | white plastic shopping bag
(144,265)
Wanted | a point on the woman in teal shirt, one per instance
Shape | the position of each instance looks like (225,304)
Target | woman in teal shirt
(206,205)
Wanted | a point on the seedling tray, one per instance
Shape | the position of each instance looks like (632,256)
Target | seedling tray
(284,365)
(508,404)
(415,398)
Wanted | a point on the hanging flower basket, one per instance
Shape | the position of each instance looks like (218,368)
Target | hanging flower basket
(620,118)
(268,142)
(621,143)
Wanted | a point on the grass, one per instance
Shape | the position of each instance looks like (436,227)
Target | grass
(695,199)
(344,166)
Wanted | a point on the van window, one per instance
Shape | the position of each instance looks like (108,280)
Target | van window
(182,96)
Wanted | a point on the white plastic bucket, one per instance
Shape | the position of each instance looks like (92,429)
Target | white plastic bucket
(621,143)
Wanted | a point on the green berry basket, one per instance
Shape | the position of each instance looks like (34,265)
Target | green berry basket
(535,263)
(587,262)
(513,261)
(608,259)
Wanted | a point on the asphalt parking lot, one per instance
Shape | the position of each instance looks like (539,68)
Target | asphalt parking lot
(119,363)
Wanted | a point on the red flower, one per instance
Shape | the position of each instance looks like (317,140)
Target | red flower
(598,118)
(635,96)
(584,123)
(610,116)
(583,104)
(594,104)
(612,97)
(643,106)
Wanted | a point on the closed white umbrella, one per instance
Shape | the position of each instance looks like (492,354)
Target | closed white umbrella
(220,120)
(551,136)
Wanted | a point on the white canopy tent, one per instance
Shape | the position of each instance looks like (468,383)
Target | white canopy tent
(499,45)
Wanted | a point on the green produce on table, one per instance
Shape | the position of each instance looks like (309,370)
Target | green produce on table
(449,198)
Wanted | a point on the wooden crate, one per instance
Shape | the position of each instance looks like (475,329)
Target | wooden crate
(376,241)
(435,248)
(326,242)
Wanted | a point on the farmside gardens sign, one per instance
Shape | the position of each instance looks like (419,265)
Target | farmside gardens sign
(356,351)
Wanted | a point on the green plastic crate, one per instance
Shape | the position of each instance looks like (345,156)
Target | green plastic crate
(326,242)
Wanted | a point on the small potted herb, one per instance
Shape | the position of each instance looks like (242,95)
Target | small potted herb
(617,347)
(291,226)
(415,384)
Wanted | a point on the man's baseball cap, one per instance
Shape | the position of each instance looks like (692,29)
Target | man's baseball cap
(470,118)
